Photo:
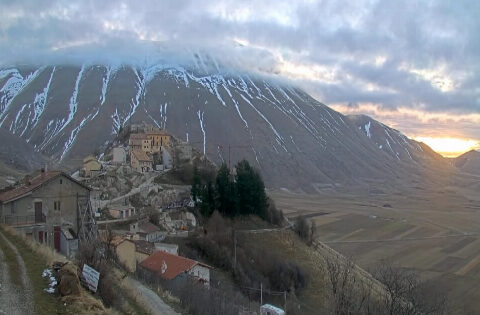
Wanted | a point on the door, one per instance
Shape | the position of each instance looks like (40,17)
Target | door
(40,237)
(38,212)
(56,238)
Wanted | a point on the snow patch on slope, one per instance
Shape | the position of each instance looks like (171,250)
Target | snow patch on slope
(200,118)
(367,129)
(13,87)
(41,100)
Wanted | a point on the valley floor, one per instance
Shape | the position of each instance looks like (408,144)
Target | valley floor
(435,232)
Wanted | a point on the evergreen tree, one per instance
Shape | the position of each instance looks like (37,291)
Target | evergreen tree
(195,191)
(250,190)
(224,191)
(207,206)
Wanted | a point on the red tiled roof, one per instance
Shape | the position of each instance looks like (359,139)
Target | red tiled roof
(35,183)
(166,265)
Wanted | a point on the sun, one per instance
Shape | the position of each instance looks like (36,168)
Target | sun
(449,147)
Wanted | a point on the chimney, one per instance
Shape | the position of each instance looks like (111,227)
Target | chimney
(27,180)
(42,172)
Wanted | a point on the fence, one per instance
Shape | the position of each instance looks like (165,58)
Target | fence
(22,219)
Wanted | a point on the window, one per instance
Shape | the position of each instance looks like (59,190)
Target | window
(56,205)
(12,207)
(61,181)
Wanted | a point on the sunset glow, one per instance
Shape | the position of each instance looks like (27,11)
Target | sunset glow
(449,147)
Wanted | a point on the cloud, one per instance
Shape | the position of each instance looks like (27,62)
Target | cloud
(416,55)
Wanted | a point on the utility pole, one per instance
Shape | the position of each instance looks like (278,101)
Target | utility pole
(285,301)
(234,251)
(261,293)
(230,152)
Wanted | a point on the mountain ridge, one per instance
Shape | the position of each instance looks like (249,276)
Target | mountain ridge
(68,111)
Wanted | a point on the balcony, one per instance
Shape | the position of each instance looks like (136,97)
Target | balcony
(18,220)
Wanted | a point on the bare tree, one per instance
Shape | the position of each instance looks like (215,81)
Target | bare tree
(404,294)
(400,293)
(350,295)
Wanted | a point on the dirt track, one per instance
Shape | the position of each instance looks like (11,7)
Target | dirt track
(14,299)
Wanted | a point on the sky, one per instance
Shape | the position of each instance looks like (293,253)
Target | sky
(414,65)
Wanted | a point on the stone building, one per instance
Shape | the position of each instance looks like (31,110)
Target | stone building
(140,161)
(145,230)
(43,206)
(139,142)
(91,166)
(121,211)
(158,139)
(125,252)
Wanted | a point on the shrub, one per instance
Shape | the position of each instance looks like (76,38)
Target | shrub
(274,215)
(254,265)
(304,229)
(94,254)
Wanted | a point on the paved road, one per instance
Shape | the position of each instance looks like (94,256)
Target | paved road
(14,299)
(151,299)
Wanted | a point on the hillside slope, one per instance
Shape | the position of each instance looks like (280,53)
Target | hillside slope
(16,153)
(66,112)
(468,162)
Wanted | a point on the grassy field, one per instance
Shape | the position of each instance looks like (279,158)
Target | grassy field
(435,232)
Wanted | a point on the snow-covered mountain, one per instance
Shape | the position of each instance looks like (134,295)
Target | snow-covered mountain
(66,112)
(393,142)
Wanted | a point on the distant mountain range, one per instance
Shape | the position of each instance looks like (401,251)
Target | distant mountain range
(66,112)
(468,162)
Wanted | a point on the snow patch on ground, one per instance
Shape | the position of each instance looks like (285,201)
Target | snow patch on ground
(52,282)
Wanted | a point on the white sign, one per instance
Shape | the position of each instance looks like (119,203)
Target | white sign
(91,277)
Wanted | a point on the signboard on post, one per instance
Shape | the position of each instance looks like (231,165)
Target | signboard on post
(91,277)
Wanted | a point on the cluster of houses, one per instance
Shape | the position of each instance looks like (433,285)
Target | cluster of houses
(149,148)
(150,256)
(46,208)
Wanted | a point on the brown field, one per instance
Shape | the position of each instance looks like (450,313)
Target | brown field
(435,232)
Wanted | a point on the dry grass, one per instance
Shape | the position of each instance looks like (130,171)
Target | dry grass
(47,253)
(37,257)
(289,247)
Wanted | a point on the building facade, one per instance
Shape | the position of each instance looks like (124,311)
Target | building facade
(158,139)
(125,252)
(91,166)
(139,141)
(140,161)
(122,212)
(147,231)
(169,267)
(44,205)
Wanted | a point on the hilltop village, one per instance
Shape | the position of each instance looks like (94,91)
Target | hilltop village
(126,193)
